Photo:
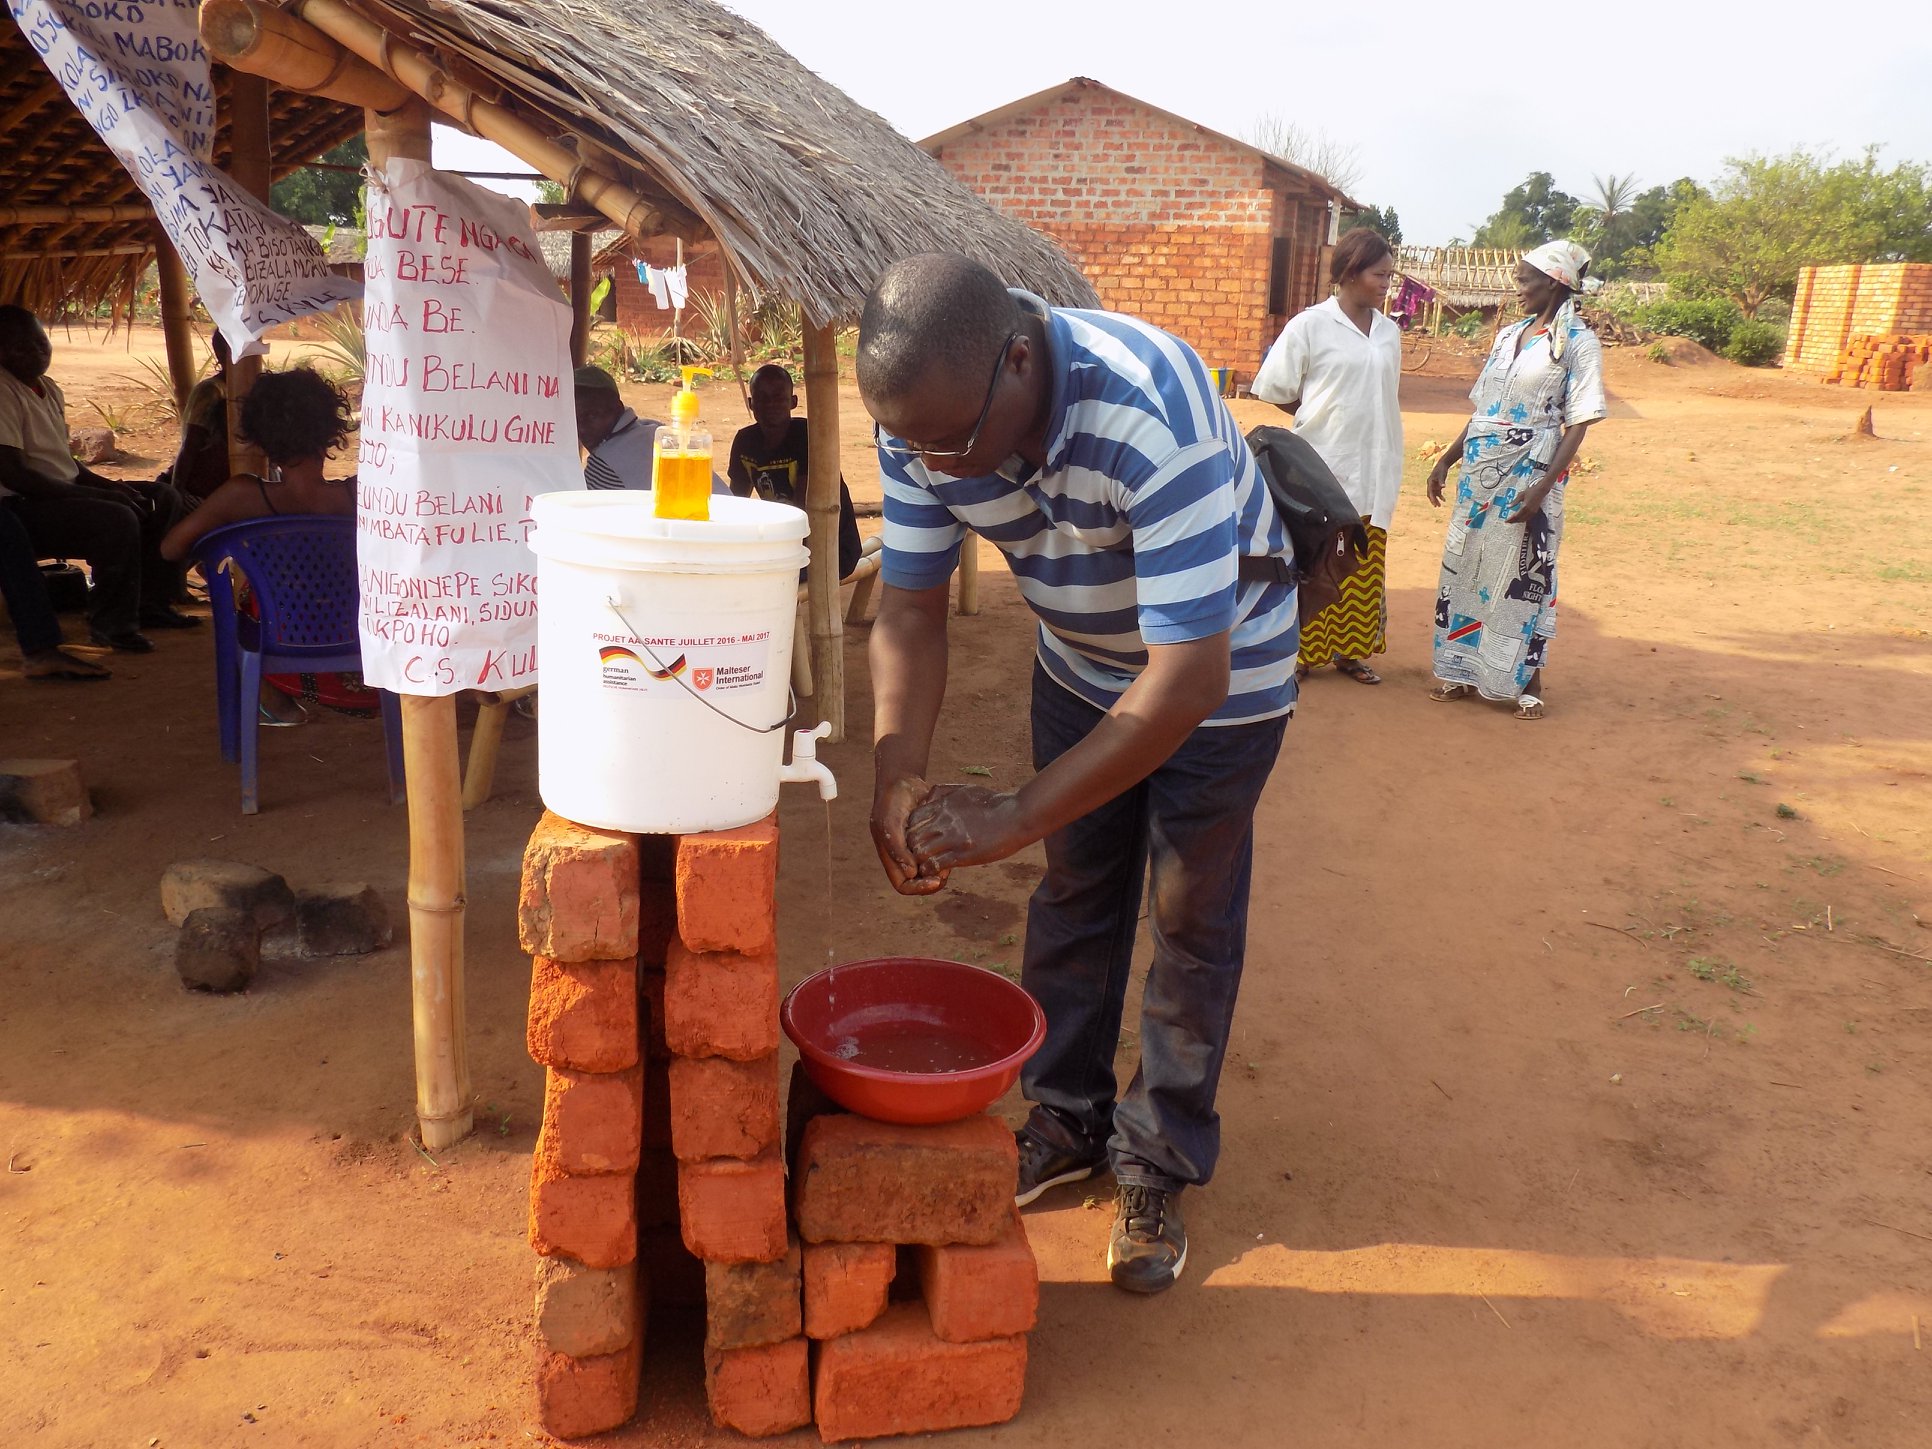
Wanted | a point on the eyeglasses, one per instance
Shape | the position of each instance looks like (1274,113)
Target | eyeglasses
(902,448)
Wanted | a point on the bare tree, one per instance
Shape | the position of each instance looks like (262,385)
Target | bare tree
(1312,149)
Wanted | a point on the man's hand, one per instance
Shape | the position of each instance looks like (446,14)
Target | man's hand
(892,803)
(966,825)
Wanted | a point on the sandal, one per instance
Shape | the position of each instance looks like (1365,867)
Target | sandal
(1358,671)
(1443,693)
(59,664)
(274,722)
(1528,706)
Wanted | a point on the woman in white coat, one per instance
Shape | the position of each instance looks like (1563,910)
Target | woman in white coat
(1336,367)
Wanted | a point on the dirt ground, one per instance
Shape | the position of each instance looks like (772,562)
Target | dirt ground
(1579,1091)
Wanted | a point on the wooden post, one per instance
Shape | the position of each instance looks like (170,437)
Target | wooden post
(969,574)
(579,298)
(176,330)
(444,1108)
(251,165)
(822,504)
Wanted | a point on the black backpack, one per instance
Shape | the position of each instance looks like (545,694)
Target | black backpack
(1328,536)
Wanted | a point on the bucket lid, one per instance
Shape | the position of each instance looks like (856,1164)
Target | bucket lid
(627,514)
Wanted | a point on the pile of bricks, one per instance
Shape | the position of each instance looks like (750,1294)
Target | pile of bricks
(1836,304)
(898,1297)
(1889,362)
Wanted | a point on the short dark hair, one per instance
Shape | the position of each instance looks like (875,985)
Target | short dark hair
(295,414)
(938,312)
(1359,249)
(772,372)
(15,320)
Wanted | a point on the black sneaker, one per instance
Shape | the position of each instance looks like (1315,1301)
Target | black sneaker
(1149,1244)
(127,642)
(1045,1164)
(160,616)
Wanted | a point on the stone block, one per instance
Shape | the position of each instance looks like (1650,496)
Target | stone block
(860,1181)
(720,1004)
(978,1293)
(578,900)
(673,1273)
(591,1219)
(732,1211)
(749,1304)
(584,1312)
(218,950)
(341,919)
(189,885)
(846,1285)
(92,445)
(592,1121)
(581,1396)
(760,1391)
(43,792)
(899,1377)
(727,889)
(722,1108)
(584,1014)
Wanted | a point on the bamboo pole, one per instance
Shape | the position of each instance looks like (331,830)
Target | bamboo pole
(251,163)
(67,215)
(444,1107)
(268,42)
(176,331)
(579,298)
(822,505)
(339,26)
(969,575)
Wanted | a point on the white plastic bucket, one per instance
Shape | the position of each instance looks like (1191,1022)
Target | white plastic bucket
(665,647)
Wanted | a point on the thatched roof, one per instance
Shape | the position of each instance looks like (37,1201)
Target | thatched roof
(701,112)
(50,156)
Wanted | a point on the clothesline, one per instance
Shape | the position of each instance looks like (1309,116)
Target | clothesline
(667,284)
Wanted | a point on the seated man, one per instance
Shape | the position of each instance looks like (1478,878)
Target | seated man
(71,511)
(618,441)
(35,624)
(768,458)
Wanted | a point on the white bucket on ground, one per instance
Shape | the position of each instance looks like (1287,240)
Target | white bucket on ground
(665,647)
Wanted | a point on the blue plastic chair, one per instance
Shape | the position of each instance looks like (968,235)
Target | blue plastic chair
(301,570)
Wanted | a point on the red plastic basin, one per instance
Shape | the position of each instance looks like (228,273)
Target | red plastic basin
(910,1039)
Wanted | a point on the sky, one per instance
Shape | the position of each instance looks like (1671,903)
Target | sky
(1442,126)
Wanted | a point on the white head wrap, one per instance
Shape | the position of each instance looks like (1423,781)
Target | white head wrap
(1564,262)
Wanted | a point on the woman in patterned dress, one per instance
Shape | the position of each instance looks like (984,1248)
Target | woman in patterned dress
(1337,367)
(1539,392)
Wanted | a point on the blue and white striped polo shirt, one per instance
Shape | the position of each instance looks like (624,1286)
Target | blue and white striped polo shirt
(1129,535)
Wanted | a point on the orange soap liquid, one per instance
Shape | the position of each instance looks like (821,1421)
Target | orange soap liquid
(681,485)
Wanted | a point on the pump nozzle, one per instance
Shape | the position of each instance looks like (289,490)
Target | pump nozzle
(684,404)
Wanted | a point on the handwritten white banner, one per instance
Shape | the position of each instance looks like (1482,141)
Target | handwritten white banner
(137,70)
(467,414)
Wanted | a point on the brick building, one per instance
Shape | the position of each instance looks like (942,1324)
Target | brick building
(1836,304)
(632,306)
(1215,240)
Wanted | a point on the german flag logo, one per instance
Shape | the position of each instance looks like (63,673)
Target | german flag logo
(671,671)
(617,654)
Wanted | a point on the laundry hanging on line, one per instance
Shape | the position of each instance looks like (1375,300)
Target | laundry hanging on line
(667,285)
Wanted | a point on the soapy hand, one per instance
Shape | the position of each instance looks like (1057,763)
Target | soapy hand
(965,825)
(891,806)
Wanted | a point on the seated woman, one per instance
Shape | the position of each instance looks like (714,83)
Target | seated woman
(298,418)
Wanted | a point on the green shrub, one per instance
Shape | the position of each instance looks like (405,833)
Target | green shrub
(1657,352)
(1469,325)
(1707,321)
(1774,310)
(1755,343)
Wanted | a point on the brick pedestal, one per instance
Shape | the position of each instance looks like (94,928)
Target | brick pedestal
(654,1010)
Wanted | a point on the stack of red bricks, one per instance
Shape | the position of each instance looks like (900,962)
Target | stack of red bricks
(659,1173)
(1890,362)
(920,1286)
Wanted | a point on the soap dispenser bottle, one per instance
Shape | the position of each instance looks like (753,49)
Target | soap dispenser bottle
(681,471)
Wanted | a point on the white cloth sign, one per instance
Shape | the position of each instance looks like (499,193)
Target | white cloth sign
(137,71)
(468,412)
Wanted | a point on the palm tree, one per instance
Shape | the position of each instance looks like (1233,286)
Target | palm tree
(1615,196)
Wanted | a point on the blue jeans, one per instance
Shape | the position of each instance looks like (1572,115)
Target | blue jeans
(1190,827)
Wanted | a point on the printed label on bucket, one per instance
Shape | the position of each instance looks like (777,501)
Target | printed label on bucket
(706,663)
